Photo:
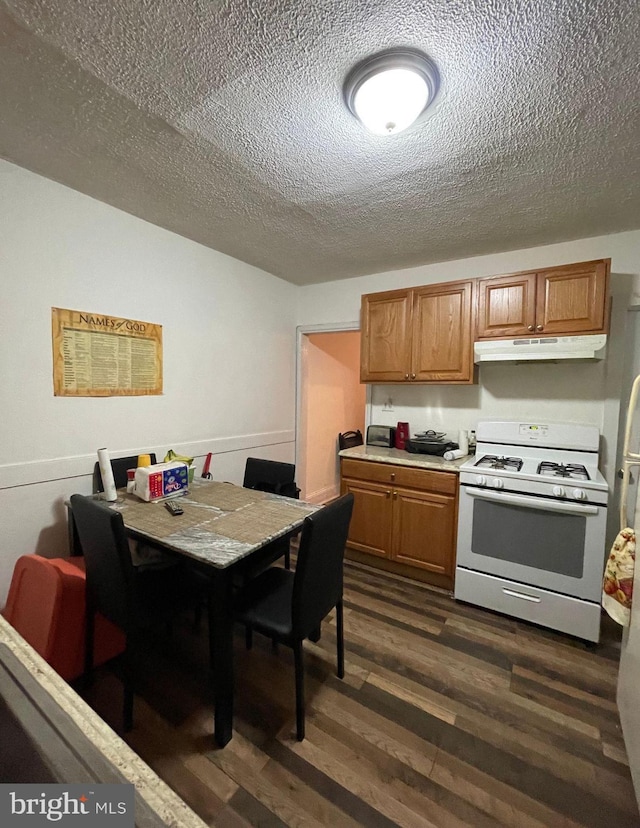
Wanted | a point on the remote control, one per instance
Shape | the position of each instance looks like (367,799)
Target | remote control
(173,507)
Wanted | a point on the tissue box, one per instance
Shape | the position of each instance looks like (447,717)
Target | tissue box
(161,480)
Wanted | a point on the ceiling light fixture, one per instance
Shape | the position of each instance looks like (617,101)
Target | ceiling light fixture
(389,91)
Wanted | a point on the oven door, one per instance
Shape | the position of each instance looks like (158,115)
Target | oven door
(553,544)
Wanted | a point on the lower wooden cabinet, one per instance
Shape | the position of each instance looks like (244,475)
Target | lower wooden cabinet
(370,529)
(404,519)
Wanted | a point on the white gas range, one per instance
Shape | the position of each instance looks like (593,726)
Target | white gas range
(532,523)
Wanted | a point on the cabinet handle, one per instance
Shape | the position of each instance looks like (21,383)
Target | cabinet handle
(531,328)
(413,376)
(522,595)
(395,494)
(539,327)
(393,476)
(406,376)
(387,493)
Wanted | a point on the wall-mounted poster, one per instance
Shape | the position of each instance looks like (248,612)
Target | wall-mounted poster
(95,355)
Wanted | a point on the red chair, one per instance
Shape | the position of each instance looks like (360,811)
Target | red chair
(46,605)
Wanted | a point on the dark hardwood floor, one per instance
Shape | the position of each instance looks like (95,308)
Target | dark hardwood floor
(448,716)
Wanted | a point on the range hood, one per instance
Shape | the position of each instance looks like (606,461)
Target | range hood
(542,349)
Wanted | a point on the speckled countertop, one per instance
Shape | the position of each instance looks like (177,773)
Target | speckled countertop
(375,454)
(168,806)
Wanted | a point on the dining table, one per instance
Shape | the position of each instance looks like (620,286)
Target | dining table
(221,525)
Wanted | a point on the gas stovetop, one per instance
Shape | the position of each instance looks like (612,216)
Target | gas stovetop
(555,460)
(545,468)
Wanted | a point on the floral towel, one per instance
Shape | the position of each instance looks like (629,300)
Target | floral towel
(617,587)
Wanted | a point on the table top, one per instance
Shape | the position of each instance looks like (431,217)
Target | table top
(221,524)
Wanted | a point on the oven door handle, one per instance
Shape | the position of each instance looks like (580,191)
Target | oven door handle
(534,502)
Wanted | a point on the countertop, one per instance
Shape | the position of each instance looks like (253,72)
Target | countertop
(70,722)
(376,454)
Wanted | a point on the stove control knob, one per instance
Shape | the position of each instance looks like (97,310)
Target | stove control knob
(481,480)
(559,491)
(579,494)
(497,483)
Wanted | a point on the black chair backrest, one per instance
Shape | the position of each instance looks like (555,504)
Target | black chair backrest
(109,570)
(120,466)
(271,476)
(349,439)
(317,585)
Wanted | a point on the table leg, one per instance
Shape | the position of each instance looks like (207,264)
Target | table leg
(221,653)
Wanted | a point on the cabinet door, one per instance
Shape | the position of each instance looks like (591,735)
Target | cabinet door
(370,528)
(506,306)
(424,530)
(385,350)
(572,299)
(442,347)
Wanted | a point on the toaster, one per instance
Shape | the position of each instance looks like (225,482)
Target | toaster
(381,435)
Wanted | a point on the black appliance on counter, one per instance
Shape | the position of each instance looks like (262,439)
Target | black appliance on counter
(426,445)
(381,435)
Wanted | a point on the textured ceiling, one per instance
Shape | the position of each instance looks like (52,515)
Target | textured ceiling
(224,122)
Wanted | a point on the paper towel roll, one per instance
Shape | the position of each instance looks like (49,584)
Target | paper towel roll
(454,455)
(108,483)
(463,441)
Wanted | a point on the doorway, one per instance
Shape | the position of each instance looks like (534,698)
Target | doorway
(330,400)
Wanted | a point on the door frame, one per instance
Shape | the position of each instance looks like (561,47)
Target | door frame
(301,332)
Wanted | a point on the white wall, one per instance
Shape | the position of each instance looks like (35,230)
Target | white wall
(340,301)
(569,392)
(229,354)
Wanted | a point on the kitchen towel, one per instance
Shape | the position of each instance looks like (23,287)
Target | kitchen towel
(617,586)
(106,472)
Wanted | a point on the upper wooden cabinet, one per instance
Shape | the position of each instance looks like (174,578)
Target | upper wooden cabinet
(385,344)
(571,299)
(418,335)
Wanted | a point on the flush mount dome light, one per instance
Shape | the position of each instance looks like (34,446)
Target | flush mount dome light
(391,90)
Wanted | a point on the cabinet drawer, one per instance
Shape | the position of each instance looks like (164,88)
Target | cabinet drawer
(424,479)
(560,612)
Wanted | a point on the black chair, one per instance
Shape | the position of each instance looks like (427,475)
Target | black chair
(113,587)
(289,607)
(266,476)
(278,478)
(348,439)
(120,467)
(271,476)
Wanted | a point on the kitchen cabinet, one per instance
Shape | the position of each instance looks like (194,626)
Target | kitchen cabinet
(404,519)
(565,300)
(385,350)
(419,335)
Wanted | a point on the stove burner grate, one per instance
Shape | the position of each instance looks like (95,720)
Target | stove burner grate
(492,461)
(573,471)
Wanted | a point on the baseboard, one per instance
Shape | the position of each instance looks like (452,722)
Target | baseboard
(323,495)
